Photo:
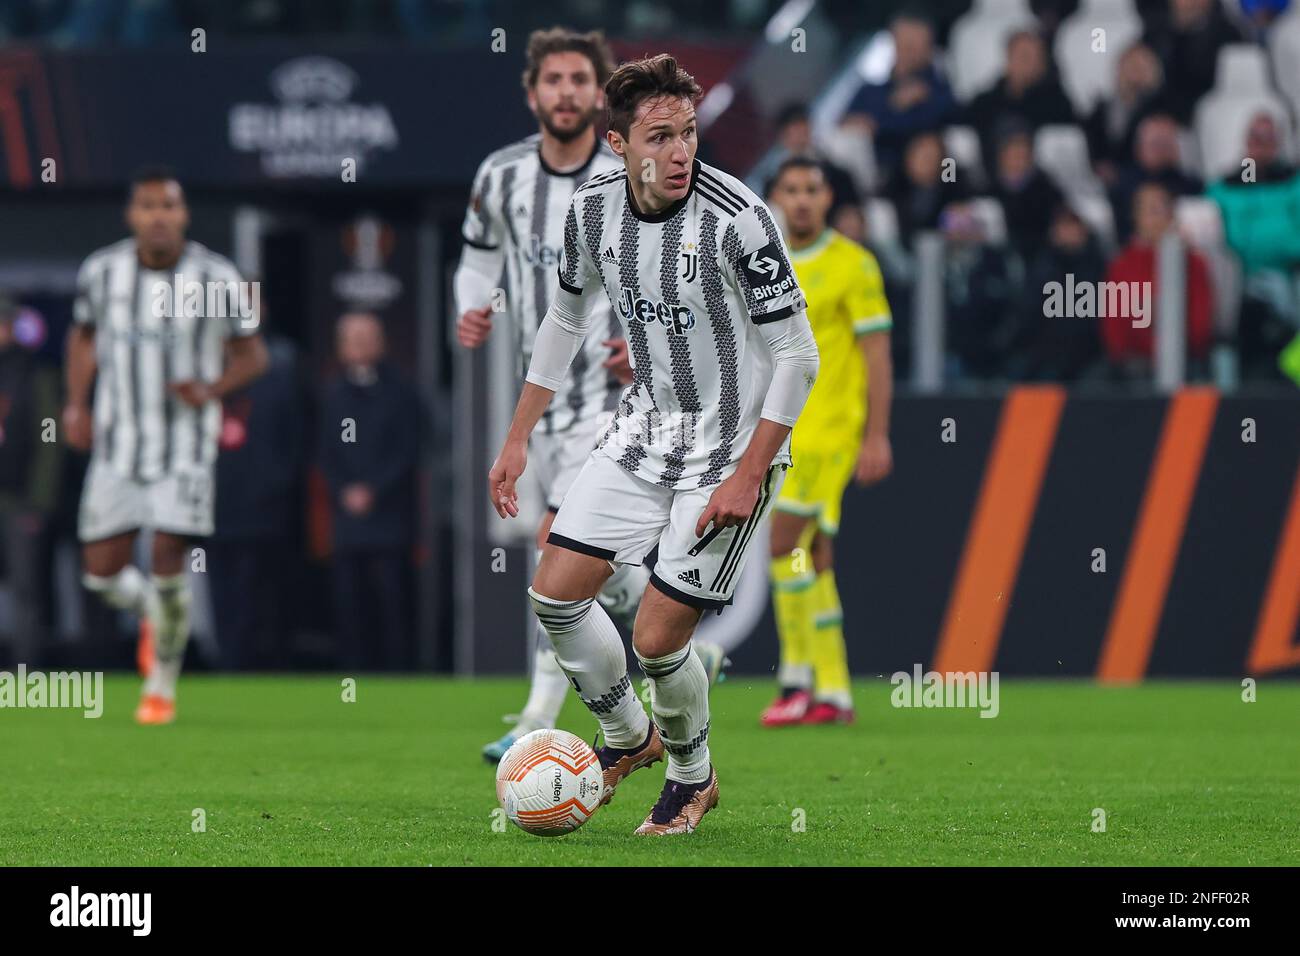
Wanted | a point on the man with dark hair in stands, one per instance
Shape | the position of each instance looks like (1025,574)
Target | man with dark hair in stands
(1130,347)
(1156,157)
(1049,349)
(1112,125)
(916,96)
(794,138)
(1028,92)
(1026,193)
(920,188)
(1187,36)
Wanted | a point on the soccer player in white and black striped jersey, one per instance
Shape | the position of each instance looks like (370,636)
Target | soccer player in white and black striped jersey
(723,359)
(160,362)
(515,222)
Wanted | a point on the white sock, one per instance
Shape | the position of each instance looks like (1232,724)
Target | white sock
(795,675)
(591,653)
(622,593)
(171,634)
(128,590)
(681,711)
(547,691)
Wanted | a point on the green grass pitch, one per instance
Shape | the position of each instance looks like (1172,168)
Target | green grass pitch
(287,773)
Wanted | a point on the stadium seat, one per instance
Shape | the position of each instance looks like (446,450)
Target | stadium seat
(1284,48)
(852,149)
(1095,210)
(977,44)
(962,143)
(1241,89)
(1088,75)
(1242,70)
(1200,221)
(882,221)
(1061,151)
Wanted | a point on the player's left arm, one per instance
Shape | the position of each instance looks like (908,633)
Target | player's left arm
(763,275)
(246,357)
(871,324)
(876,457)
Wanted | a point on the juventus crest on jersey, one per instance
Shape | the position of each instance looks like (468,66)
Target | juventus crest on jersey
(518,205)
(144,341)
(690,284)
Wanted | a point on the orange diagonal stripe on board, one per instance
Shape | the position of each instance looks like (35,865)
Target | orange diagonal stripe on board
(1272,649)
(995,543)
(1162,519)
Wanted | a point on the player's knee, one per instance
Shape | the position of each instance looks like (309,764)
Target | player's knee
(664,625)
(558,616)
(168,553)
(784,537)
(120,589)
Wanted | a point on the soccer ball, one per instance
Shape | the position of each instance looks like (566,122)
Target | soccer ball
(549,782)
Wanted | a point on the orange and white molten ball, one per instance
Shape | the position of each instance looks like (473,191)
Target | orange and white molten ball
(549,782)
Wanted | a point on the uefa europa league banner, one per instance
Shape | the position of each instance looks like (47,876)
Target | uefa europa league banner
(374,117)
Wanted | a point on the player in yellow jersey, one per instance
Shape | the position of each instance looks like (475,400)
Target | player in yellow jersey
(843,434)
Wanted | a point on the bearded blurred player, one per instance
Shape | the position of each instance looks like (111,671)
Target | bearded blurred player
(160,366)
(515,222)
(843,434)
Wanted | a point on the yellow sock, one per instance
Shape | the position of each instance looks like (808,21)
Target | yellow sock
(792,586)
(826,646)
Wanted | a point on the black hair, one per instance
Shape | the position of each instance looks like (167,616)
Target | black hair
(793,162)
(151,174)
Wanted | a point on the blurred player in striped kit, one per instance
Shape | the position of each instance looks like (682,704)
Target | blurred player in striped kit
(515,223)
(160,366)
(843,434)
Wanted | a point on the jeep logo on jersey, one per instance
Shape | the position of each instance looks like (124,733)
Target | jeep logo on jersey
(766,272)
(675,318)
(540,256)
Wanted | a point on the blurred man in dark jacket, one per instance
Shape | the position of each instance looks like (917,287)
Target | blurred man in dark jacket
(29,468)
(369,438)
(1053,348)
(1028,93)
(250,555)
(916,96)
(1187,36)
(1157,156)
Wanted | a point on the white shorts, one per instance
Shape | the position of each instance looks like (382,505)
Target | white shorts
(612,514)
(179,503)
(558,458)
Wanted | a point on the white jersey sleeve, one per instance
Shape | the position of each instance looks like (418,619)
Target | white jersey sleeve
(481,228)
(237,325)
(86,306)
(759,267)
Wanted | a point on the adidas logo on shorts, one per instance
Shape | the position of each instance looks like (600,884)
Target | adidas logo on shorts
(691,577)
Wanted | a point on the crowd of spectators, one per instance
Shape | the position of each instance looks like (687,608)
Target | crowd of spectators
(1028,183)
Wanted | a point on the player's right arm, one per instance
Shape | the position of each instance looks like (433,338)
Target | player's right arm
(481,262)
(559,337)
(79,364)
